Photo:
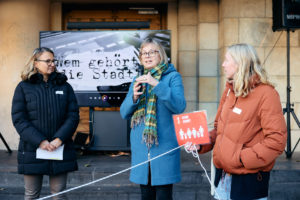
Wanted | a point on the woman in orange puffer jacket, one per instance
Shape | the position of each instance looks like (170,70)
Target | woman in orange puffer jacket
(249,130)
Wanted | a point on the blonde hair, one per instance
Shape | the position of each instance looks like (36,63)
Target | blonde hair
(29,68)
(162,52)
(249,72)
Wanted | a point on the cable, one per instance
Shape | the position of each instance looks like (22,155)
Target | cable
(193,150)
(106,177)
(272,48)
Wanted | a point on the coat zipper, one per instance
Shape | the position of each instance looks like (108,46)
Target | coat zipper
(225,123)
(47,90)
(235,100)
(149,167)
(149,156)
(146,98)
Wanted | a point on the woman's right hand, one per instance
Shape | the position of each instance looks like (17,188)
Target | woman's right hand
(44,144)
(137,91)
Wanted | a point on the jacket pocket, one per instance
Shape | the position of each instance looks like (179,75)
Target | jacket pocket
(227,153)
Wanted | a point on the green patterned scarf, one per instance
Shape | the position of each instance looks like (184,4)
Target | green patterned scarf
(149,103)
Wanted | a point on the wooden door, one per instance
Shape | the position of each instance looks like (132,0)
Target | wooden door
(155,14)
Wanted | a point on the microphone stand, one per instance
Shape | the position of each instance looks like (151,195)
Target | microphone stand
(6,145)
(289,107)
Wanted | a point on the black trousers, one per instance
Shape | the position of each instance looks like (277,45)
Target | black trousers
(247,186)
(158,192)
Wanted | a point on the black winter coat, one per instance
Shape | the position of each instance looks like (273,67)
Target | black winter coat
(45,111)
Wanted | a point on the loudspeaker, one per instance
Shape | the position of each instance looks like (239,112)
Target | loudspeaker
(110,132)
(286,14)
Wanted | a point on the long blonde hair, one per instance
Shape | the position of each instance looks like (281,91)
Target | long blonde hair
(250,72)
(162,52)
(29,68)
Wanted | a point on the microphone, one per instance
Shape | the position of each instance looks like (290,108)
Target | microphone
(140,69)
(140,73)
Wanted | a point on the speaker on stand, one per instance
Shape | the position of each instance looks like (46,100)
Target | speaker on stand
(286,16)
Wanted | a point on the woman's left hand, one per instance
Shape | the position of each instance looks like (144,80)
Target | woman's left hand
(147,79)
(192,147)
(55,143)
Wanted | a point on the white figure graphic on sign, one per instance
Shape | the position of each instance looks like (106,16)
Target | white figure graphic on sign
(189,133)
(194,132)
(201,131)
(198,133)
(181,133)
(178,120)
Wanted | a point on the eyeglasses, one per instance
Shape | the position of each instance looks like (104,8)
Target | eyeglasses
(49,62)
(150,53)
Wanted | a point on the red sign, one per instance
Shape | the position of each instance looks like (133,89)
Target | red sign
(191,127)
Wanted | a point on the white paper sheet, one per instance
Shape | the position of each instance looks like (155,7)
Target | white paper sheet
(50,155)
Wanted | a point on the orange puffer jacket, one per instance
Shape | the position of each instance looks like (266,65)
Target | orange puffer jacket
(249,133)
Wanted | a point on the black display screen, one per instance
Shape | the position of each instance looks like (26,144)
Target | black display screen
(100,65)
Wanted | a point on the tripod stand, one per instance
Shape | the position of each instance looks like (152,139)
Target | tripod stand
(289,107)
(6,145)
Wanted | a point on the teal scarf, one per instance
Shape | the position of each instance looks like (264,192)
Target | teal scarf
(149,118)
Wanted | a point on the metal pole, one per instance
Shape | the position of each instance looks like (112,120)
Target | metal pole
(288,103)
(6,145)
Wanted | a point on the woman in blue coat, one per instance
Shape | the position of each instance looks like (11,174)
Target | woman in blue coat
(151,101)
(45,114)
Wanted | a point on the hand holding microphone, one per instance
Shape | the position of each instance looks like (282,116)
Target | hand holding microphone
(141,82)
(137,91)
(147,79)
(138,87)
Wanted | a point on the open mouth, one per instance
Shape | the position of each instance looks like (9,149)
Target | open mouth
(148,61)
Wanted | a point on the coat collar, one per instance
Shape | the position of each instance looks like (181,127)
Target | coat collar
(254,82)
(55,78)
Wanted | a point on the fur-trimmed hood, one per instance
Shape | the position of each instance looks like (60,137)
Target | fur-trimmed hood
(55,78)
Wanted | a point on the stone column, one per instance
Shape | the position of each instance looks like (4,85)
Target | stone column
(20,23)
(56,16)
(187,50)
(208,68)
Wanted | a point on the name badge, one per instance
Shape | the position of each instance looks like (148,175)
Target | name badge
(59,92)
(237,110)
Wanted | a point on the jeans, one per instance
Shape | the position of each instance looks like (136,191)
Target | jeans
(222,192)
(33,185)
(159,192)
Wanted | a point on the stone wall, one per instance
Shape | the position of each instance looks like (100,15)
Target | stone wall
(201,31)
(20,23)
(208,65)
(187,50)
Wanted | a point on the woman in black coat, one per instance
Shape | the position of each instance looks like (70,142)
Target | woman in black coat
(45,114)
